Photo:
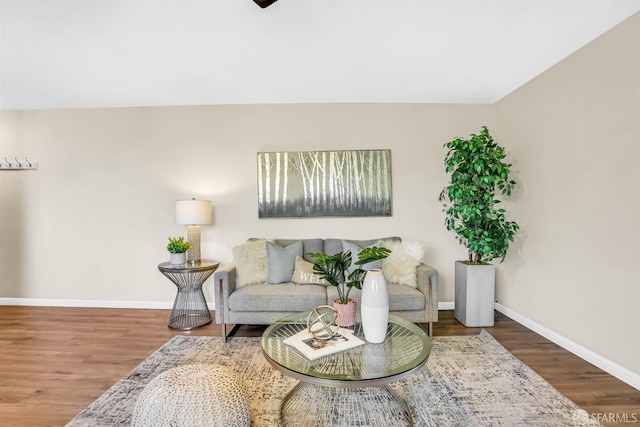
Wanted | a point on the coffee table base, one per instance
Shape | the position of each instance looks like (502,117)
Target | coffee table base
(314,405)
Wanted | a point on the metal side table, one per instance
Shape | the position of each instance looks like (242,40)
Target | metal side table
(190,308)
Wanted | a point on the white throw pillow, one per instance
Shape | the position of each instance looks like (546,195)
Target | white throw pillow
(401,264)
(250,259)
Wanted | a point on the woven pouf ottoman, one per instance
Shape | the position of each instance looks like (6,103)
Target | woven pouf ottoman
(194,395)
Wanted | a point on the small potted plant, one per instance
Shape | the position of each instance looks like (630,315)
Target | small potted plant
(334,269)
(177,248)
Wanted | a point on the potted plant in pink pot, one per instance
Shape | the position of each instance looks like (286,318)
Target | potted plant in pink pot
(334,269)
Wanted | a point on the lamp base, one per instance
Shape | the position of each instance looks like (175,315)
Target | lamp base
(193,236)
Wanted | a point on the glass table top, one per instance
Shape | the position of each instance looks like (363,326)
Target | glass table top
(203,264)
(404,350)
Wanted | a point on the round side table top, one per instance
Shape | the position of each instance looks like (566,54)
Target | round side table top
(202,265)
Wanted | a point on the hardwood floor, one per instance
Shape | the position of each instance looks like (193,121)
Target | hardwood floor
(54,361)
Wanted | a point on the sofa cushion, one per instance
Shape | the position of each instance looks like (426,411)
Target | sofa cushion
(402,263)
(281,261)
(277,297)
(308,245)
(401,297)
(250,259)
(303,274)
(333,246)
(405,298)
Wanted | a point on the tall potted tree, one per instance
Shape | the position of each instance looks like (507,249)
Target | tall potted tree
(478,173)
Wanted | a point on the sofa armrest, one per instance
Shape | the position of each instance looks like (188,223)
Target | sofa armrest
(224,283)
(428,285)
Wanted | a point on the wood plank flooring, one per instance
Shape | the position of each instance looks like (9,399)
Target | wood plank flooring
(54,361)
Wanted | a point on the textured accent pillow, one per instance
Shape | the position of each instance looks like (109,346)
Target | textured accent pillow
(401,264)
(250,259)
(303,274)
(281,261)
(355,249)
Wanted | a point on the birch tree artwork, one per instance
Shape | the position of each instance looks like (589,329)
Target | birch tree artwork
(324,183)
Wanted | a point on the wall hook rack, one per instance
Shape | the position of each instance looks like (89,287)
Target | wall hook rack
(17,165)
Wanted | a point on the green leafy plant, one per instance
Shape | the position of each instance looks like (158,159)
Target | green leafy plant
(333,268)
(478,171)
(177,245)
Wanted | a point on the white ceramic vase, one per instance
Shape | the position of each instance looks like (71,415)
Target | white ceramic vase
(374,306)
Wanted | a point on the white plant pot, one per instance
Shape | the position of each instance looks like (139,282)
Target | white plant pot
(475,294)
(180,258)
(374,306)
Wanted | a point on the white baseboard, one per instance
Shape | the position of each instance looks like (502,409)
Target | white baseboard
(43,302)
(446,305)
(620,372)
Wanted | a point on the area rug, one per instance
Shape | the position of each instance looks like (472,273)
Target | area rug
(467,381)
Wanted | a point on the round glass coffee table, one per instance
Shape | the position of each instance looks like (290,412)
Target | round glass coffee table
(350,387)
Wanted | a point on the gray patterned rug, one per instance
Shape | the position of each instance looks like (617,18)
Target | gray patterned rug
(467,381)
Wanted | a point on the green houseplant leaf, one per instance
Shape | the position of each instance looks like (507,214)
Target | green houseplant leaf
(177,245)
(333,268)
(478,172)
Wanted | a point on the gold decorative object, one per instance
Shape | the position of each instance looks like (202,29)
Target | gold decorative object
(321,322)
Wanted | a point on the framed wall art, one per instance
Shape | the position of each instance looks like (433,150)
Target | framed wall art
(300,184)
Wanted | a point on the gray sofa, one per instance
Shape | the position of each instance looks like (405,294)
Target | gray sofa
(243,294)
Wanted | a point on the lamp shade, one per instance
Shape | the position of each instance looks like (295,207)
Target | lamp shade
(193,212)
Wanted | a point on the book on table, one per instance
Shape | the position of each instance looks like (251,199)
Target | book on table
(314,348)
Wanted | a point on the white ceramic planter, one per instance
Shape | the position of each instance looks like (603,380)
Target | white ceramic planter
(180,258)
(475,294)
(374,306)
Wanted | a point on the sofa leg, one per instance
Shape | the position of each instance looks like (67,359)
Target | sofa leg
(227,328)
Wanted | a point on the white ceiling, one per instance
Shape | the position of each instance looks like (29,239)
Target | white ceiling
(114,53)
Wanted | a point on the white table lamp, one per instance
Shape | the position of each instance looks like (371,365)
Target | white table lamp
(192,213)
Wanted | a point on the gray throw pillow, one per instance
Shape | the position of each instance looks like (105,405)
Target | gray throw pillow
(281,261)
(355,249)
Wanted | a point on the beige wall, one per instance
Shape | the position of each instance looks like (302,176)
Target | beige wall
(574,134)
(93,221)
